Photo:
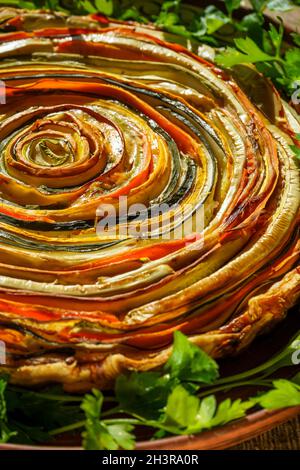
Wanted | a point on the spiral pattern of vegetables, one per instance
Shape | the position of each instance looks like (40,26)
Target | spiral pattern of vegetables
(94,111)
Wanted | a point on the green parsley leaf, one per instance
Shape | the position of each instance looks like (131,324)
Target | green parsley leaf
(296,38)
(250,22)
(296,151)
(97,437)
(132,14)
(146,393)
(37,411)
(122,435)
(88,6)
(26,434)
(291,67)
(258,5)
(92,404)
(105,6)
(27,5)
(210,21)
(101,436)
(249,53)
(292,58)
(188,363)
(181,409)
(143,393)
(229,410)
(207,409)
(5,433)
(187,414)
(276,36)
(284,394)
(232,5)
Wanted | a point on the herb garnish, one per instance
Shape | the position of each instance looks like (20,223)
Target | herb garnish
(178,400)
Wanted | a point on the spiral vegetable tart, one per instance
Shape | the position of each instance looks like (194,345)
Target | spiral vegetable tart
(97,110)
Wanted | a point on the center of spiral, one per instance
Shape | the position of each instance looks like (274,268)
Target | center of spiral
(49,152)
(58,146)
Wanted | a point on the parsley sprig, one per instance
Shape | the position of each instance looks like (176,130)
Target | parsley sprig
(183,398)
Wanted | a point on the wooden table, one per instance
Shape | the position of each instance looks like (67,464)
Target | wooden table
(283,437)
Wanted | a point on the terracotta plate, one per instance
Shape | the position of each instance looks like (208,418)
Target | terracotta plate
(234,433)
